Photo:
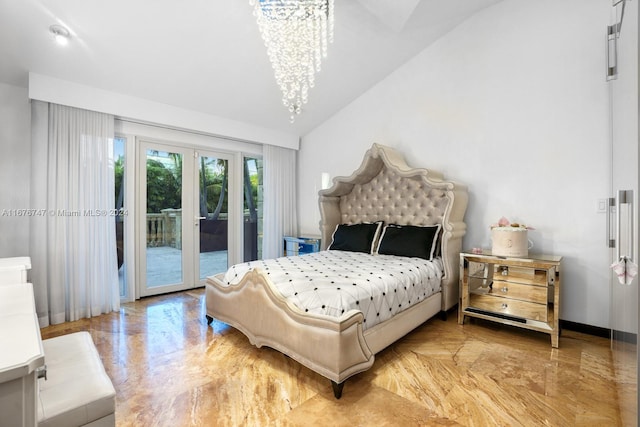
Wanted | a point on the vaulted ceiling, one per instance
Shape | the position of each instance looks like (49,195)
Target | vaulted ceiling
(208,56)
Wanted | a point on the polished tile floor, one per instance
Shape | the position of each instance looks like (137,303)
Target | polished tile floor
(170,368)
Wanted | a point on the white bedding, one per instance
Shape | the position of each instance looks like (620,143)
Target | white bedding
(334,282)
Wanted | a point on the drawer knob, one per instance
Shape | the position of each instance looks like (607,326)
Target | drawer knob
(504,289)
(504,306)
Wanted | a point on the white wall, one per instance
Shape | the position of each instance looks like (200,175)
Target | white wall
(512,103)
(15,169)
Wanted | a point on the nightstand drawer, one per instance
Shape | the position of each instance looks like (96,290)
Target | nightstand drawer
(527,276)
(508,306)
(536,294)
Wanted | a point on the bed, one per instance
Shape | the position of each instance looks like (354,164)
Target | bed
(383,198)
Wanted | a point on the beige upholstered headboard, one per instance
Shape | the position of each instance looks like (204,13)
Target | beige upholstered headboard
(386,188)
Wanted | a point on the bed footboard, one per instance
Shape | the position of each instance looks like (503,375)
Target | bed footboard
(334,348)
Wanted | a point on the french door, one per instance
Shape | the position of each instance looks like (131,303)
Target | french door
(185,215)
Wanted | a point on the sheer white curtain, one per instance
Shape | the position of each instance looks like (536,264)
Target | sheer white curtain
(280,219)
(76,260)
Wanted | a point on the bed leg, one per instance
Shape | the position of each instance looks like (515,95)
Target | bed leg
(337,389)
(209,319)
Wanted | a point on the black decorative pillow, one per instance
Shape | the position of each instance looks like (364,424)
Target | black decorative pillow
(409,240)
(356,237)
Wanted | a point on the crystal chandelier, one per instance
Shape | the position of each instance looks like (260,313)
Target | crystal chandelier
(296,34)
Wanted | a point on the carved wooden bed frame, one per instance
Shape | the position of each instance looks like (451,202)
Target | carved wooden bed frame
(383,188)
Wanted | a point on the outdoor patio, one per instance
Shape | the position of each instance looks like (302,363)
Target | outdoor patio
(163,265)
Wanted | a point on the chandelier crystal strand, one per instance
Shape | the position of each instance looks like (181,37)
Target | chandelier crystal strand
(296,34)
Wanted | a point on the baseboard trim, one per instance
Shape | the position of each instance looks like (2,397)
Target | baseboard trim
(627,337)
(585,329)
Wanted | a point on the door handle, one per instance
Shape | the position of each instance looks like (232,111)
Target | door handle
(625,197)
(611,205)
(612,52)
(198,218)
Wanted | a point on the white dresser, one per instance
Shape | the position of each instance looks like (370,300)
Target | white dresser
(14,270)
(75,390)
(21,355)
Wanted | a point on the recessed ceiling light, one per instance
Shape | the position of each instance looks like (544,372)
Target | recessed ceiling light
(60,34)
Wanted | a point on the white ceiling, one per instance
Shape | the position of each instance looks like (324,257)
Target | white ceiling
(208,56)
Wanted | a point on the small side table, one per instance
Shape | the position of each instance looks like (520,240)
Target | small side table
(517,291)
(300,245)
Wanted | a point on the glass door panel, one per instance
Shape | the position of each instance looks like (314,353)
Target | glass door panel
(120,210)
(163,218)
(213,221)
(165,240)
(622,38)
(253,199)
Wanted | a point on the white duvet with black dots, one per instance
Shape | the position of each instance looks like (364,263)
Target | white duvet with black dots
(334,282)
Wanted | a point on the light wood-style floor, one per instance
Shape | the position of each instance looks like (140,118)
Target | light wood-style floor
(170,368)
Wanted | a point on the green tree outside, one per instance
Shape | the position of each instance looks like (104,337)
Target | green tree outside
(164,188)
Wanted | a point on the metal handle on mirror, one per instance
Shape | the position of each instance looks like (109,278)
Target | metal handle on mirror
(625,197)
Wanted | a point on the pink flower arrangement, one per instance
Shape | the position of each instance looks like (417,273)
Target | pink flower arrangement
(504,222)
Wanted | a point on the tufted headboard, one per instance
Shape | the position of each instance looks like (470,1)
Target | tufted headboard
(385,188)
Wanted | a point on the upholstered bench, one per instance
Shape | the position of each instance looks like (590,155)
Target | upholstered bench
(77,390)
